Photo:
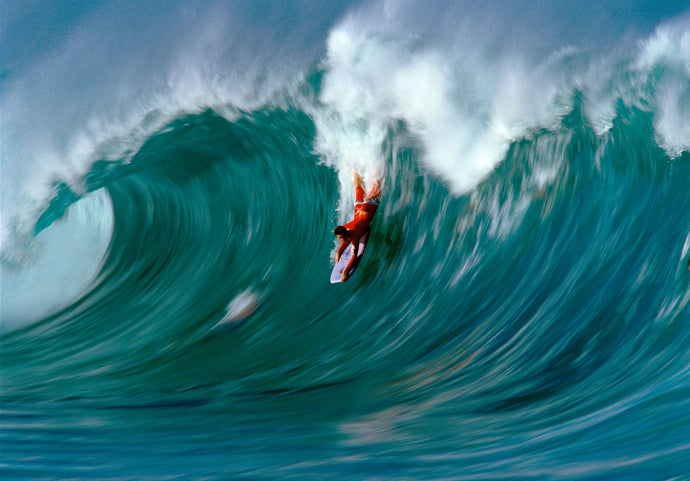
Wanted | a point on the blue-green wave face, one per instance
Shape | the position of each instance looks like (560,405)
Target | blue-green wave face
(523,307)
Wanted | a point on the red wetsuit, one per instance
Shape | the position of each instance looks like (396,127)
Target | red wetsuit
(364,212)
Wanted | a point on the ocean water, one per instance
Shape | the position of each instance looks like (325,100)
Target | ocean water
(171,176)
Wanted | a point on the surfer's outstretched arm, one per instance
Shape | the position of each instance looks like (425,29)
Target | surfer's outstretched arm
(341,249)
(354,260)
(355,248)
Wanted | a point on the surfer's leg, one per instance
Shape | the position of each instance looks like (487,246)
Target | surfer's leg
(359,188)
(375,192)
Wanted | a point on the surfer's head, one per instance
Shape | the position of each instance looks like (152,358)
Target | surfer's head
(341,232)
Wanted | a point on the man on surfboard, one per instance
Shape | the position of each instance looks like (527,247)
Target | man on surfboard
(357,230)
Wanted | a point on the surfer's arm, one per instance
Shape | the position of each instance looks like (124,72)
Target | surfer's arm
(341,249)
(353,259)
(350,265)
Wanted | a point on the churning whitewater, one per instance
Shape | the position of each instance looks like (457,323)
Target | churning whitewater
(171,177)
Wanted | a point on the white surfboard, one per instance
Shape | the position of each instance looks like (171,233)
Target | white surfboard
(339,267)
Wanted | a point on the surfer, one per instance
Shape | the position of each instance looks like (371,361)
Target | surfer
(358,229)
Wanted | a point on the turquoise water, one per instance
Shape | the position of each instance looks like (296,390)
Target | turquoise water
(522,310)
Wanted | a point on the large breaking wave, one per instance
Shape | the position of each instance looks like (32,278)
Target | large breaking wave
(522,308)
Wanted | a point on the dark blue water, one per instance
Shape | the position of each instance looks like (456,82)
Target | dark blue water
(523,307)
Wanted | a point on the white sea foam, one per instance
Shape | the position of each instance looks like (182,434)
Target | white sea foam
(374,81)
(462,104)
(240,308)
(664,60)
(467,91)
